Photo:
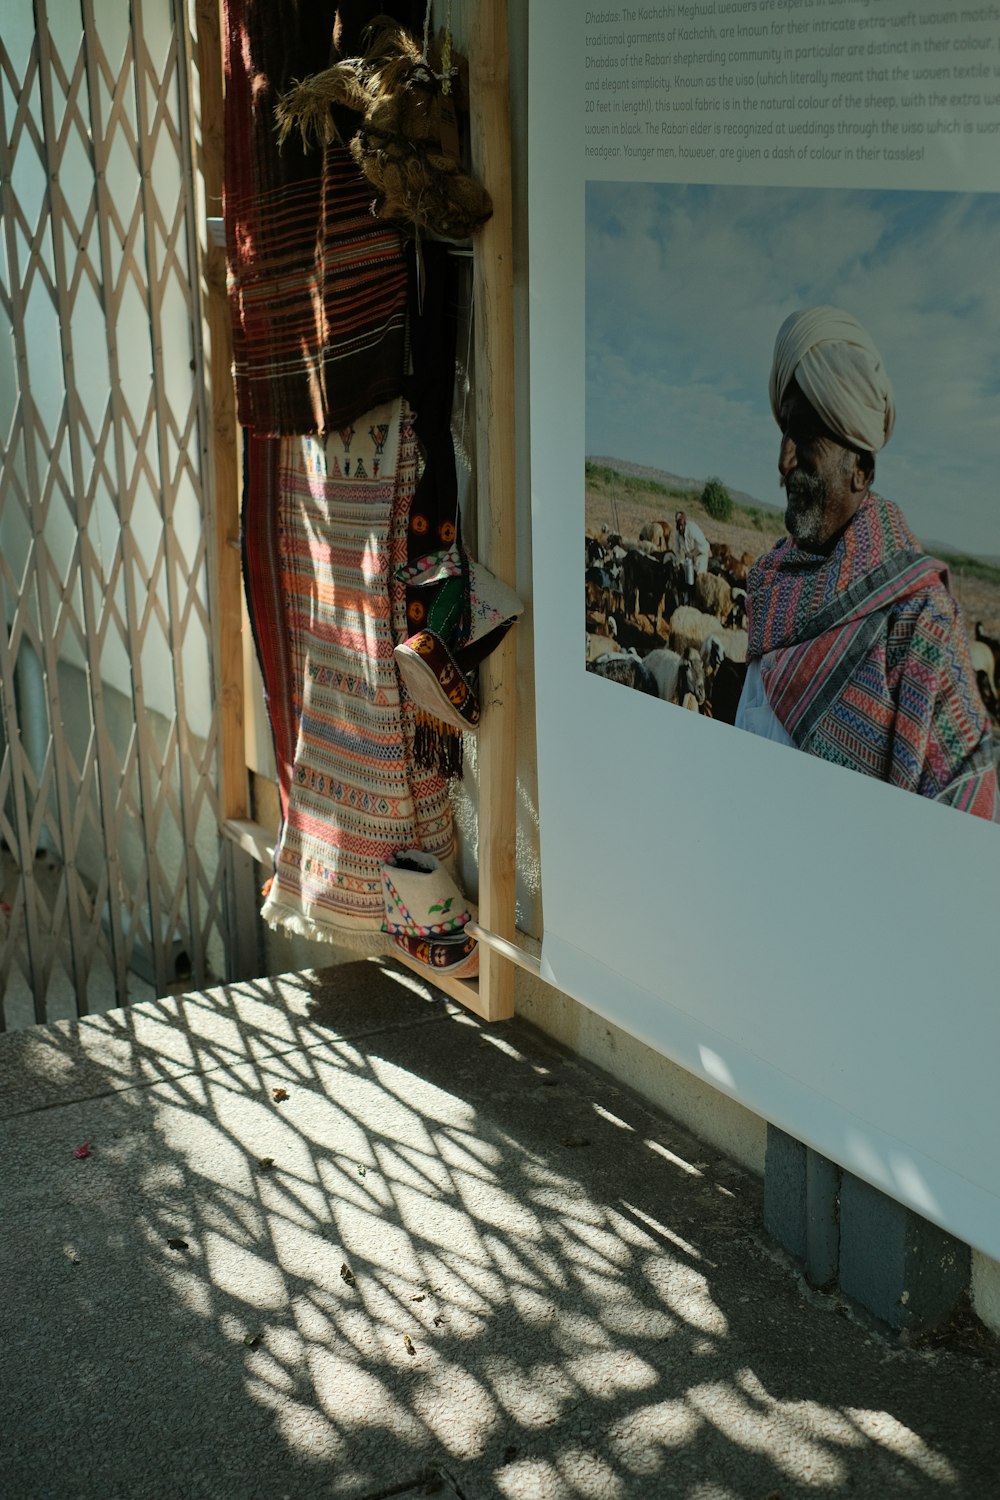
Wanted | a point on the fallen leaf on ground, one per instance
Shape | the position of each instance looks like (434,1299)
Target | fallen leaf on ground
(409,1344)
(422,1298)
(265,1163)
(177,1244)
(251,1340)
(82,1151)
(279,1095)
(346,1274)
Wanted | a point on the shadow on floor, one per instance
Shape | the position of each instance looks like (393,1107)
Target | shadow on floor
(438,1246)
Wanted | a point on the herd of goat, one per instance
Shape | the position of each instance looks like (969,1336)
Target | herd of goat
(637,593)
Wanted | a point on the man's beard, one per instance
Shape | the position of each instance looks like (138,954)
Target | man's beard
(805,513)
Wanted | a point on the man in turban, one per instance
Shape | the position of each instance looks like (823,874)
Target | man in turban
(857,651)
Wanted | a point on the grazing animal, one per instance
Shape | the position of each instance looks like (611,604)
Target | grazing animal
(657,534)
(988,696)
(676,674)
(732,568)
(735,643)
(985,654)
(644,583)
(603,589)
(600,645)
(982,658)
(713,596)
(595,550)
(690,627)
(713,653)
(627,669)
(726,690)
(994,645)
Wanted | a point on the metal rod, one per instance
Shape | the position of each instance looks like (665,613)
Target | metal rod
(44,567)
(140,760)
(80,503)
(505,949)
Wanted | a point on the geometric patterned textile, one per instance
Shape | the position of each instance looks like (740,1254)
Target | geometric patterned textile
(865,661)
(353,795)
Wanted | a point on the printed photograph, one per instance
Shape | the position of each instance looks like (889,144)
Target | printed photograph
(792,449)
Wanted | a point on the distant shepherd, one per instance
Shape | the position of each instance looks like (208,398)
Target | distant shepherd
(690,550)
(857,650)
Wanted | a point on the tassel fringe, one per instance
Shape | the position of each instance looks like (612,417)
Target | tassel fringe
(436,747)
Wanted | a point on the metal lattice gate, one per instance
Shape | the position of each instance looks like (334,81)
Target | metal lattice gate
(108,810)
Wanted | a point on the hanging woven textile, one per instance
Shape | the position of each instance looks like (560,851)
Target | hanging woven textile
(317,285)
(334,454)
(327,609)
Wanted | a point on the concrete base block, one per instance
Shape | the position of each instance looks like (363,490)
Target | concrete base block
(822,1219)
(902,1269)
(895,1265)
(801,1204)
(784,1192)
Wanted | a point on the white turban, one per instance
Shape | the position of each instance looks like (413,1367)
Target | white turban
(839,371)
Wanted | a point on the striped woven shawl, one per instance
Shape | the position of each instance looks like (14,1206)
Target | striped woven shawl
(325,527)
(865,661)
(317,286)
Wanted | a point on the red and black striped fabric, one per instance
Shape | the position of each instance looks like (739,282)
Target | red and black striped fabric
(317,285)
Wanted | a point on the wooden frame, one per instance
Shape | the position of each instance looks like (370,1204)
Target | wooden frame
(224,454)
(492,997)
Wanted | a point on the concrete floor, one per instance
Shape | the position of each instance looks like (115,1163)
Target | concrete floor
(452,1260)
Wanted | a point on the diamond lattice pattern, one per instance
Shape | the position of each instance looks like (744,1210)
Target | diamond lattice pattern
(112,879)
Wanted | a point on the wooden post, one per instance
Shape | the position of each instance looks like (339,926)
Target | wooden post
(489,94)
(224,457)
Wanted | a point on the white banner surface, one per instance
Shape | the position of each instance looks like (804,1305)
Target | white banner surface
(816,943)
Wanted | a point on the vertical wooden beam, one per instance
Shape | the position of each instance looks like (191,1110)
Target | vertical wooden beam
(489,93)
(223,454)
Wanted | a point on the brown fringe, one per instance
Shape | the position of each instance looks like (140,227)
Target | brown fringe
(386,65)
(310,104)
(398,141)
(437,747)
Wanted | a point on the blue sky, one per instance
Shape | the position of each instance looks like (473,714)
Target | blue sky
(687,286)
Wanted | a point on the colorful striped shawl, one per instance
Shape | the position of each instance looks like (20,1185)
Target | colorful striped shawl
(865,661)
(317,286)
(325,527)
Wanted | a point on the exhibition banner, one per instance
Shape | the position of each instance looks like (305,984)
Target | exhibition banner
(765,325)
